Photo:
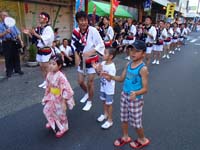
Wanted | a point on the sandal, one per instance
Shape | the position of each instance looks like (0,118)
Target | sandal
(122,142)
(138,144)
(59,134)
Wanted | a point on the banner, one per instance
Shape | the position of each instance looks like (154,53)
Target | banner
(170,10)
(147,5)
(79,6)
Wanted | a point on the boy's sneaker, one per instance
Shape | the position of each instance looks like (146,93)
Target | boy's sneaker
(101,118)
(173,52)
(107,125)
(84,99)
(154,62)
(170,52)
(43,84)
(164,56)
(157,62)
(179,49)
(176,49)
(87,106)
(168,57)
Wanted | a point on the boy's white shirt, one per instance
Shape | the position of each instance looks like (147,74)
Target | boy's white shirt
(108,87)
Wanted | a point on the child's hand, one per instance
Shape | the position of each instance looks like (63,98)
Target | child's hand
(94,65)
(64,106)
(43,101)
(133,96)
(97,67)
(106,75)
(71,103)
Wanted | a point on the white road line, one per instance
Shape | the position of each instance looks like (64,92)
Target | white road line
(197,44)
(194,40)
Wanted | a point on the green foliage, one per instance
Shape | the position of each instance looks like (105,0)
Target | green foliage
(32,52)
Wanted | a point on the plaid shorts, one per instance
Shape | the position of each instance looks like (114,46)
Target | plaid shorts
(131,111)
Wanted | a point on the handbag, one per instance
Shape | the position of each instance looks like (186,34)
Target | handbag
(18,44)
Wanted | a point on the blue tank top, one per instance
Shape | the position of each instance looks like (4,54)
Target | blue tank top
(133,79)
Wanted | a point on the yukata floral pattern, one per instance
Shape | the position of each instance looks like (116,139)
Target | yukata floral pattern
(55,104)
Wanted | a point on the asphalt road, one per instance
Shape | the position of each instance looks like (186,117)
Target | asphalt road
(171,111)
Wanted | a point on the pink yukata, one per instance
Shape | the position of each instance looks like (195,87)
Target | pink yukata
(55,102)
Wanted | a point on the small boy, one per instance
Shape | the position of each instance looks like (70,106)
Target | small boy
(107,87)
(135,77)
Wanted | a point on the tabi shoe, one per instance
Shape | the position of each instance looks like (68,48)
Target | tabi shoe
(164,56)
(87,106)
(85,98)
(154,62)
(168,57)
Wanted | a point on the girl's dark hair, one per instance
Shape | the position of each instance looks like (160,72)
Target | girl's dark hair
(112,51)
(58,59)
(81,14)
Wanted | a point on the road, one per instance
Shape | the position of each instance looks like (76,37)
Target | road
(171,111)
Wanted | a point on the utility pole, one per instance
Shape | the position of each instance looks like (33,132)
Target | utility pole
(198,6)
(187,6)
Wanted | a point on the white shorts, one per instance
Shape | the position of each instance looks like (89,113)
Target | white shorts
(149,50)
(174,40)
(88,70)
(167,43)
(43,58)
(158,48)
(180,39)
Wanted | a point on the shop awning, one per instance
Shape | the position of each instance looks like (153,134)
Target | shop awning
(103,9)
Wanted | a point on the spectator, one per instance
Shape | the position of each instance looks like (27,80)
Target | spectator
(67,53)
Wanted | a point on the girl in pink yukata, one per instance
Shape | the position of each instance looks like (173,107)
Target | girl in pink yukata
(58,96)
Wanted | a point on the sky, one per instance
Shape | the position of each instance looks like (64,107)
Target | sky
(193,2)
